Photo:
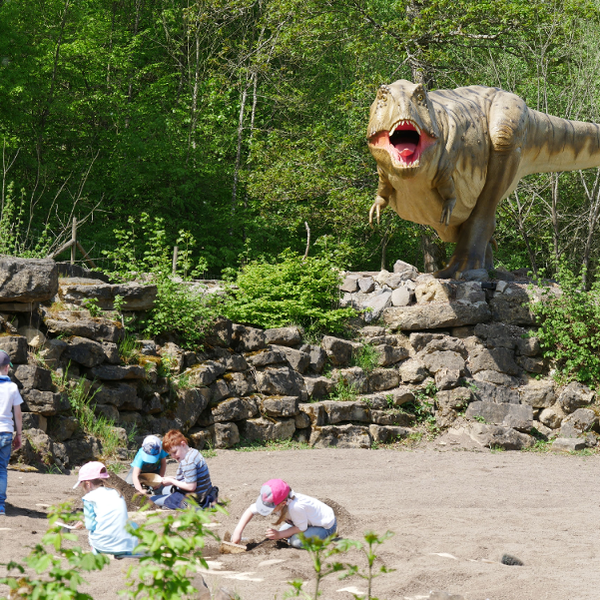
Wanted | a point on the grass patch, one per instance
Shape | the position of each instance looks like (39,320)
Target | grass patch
(245,445)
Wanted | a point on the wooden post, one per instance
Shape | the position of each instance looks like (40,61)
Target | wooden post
(174,270)
(73,240)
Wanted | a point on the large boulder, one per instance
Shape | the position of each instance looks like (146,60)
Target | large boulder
(27,280)
(15,346)
(575,395)
(341,436)
(81,323)
(282,381)
(517,416)
(135,296)
(436,315)
(263,429)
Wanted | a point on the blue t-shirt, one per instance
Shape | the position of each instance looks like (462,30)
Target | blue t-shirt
(146,467)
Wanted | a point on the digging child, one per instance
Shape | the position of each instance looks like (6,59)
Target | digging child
(297,513)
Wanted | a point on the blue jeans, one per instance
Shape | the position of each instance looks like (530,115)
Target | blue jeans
(318,532)
(6,439)
(159,499)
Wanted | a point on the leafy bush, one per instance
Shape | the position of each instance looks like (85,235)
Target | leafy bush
(143,249)
(53,579)
(291,291)
(183,311)
(171,547)
(569,330)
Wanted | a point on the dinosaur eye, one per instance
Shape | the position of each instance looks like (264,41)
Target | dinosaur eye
(420,97)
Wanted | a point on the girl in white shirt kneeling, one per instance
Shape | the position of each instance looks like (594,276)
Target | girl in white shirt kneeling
(297,514)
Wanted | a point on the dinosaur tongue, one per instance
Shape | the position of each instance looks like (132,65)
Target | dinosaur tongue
(406,149)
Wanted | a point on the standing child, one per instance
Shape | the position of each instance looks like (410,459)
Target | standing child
(150,458)
(10,401)
(105,513)
(298,513)
(192,475)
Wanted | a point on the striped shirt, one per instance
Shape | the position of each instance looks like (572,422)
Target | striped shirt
(193,468)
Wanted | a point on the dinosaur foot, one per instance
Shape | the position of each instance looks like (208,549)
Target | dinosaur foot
(456,268)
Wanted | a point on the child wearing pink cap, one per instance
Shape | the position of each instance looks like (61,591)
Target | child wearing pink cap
(298,513)
(105,513)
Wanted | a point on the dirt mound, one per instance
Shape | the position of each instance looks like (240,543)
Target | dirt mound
(345,520)
(133,499)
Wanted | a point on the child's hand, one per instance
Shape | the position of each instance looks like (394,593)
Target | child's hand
(273,534)
(78,525)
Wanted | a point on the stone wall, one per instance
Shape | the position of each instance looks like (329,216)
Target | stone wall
(466,348)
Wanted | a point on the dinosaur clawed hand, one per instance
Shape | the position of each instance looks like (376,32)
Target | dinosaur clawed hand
(447,211)
(380,202)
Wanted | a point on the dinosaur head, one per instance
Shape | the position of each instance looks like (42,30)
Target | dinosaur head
(402,126)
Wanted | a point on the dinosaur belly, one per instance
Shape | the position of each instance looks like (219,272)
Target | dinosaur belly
(414,200)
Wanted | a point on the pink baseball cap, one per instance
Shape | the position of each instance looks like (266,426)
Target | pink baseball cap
(272,493)
(92,470)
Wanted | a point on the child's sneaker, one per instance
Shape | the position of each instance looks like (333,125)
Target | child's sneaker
(2,511)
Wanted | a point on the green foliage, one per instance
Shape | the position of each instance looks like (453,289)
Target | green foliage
(184,311)
(422,407)
(128,350)
(372,541)
(81,401)
(92,306)
(569,330)
(172,547)
(322,550)
(144,248)
(367,358)
(344,391)
(319,551)
(53,579)
(245,445)
(179,308)
(290,291)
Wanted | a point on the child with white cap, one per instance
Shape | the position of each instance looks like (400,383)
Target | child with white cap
(105,513)
(150,458)
(298,513)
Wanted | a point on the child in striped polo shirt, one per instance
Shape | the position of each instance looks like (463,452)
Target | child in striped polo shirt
(192,475)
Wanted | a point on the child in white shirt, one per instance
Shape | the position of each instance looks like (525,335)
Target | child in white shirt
(299,514)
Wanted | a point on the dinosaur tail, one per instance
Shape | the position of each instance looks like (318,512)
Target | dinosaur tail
(554,144)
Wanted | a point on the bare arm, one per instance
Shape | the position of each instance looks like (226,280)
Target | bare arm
(17,443)
(163,467)
(239,528)
(135,476)
(274,534)
(183,485)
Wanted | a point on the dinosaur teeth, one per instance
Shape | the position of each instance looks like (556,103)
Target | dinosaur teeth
(404,123)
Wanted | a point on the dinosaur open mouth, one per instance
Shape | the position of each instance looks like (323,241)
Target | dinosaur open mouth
(402,142)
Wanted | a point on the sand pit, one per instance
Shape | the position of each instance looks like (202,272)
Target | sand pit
(454,515)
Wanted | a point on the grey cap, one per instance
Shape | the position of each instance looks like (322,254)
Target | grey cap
(4,358)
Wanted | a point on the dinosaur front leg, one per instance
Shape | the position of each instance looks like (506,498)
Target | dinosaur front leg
(473,249)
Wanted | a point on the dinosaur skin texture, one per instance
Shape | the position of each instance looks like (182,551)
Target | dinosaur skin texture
(447,158)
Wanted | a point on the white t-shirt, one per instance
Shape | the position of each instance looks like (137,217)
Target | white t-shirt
(105,514)
(9,397)
(306,512)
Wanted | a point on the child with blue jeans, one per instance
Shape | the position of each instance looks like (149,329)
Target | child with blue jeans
(10,401)
(298,513)
(192,475)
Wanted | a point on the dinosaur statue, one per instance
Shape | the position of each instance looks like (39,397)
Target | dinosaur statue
(447,158)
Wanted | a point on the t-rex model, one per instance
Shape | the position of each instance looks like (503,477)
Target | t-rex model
(447,158)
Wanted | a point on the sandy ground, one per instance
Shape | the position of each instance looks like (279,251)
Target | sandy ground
(451,512)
